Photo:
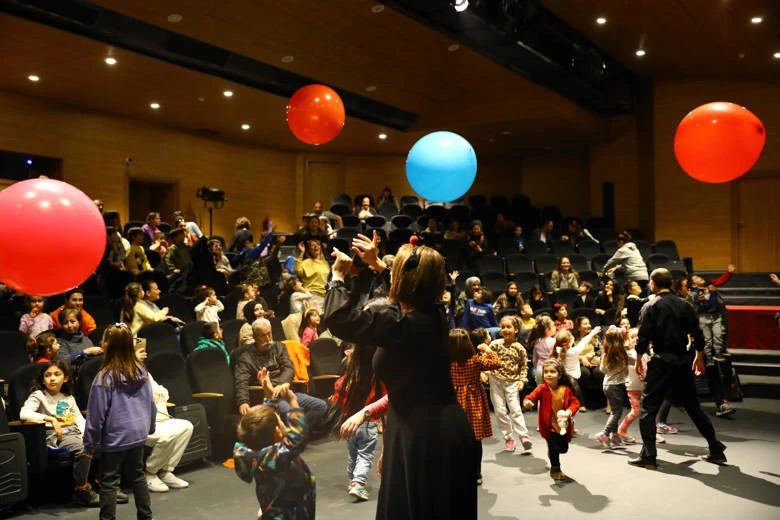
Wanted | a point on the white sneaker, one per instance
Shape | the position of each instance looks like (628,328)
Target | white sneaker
(172,481)
(155,485)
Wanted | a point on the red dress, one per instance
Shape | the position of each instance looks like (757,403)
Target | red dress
(470,393)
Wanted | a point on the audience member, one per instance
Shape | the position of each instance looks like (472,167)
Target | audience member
(75,298)
(151,227)
(35,320)
(241,236)
(564,276)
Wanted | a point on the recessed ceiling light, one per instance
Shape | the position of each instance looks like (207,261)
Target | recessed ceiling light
(741,55)
(601,20)
(453,47)
(154,106)
(756,20)
(175,18)
(33,77)
(111,61)
(640,53)
(460,5)
(245,127)
(506,132)
(287,59)
(228,93)
(777,55)
(382,136)
(378,8)
(201,99)
(371,88)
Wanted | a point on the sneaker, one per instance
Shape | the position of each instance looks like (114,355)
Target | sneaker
(615,440)
(627,439)
(156,485)
(509,445)
(172,481)
(723,410)
(526,442)
(359,492)
(86,497)
(583,409)
(665,428)
(479,480)
(557,474)
(603,440)
(659,439)
(121,497)
(643,463)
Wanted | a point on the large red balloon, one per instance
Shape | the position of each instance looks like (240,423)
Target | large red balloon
(719,142)
(315,114)
(52,235)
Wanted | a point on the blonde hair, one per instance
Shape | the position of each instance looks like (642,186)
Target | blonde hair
(257,427)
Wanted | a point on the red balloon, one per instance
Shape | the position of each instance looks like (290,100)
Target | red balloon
(719,142)
(315,114)
(53,236)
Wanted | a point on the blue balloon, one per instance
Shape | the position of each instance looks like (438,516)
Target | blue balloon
(441,166)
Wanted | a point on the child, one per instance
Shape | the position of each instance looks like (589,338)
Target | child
(253,310)
(562,320)
(507,381)
(479,312)
(48,347)
(465,367)
(168,442)
(614,363)
(135,259)
(247,294)
(209,307)
(308,328)
(542,344)
(635,388)
(211,337)
(120,416)
(51,401)
(354,391)
(299,297)
(159,244)
(569,355)
(585,297)
(35,321)
(75,347)
(557,405)
(269,452)
(527,320)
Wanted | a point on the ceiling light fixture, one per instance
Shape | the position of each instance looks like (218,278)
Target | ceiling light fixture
(245,127)
(777,55)
(33,78)
(453,47)
(460,5)
(756,20)
(175,18)
(601,20)
(228,93)
(378,8)
(288,59)
(640,53)
(371,88)
(111,61)
(382,136)
(154,106)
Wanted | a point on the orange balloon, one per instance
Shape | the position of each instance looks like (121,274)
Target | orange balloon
(315,114)
(718,142)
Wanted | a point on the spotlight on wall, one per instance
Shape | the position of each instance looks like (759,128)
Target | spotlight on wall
(210,194)
(460,5)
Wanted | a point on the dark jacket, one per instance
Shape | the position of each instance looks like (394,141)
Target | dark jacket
(276,360)
(666,323)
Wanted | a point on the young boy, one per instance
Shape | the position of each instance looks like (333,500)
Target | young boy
(269,452)
(585,297)
(479,313)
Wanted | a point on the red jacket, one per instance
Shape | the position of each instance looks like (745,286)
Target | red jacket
(543,396)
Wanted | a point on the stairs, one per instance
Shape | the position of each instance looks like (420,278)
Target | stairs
(759,372)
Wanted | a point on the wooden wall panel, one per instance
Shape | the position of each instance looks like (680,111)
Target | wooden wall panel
(558,180)
(698,216)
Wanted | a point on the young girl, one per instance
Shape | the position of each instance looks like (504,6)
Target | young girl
(465,367)
(507,381)
(51,401)
(635,388)
(48,347)
(562,321)
(35,321)
(542,344)
(120,416)
(557,405)
(248,293)
(308,328)
(614,364)
(75,347)
(253,310)
(355,390)
(299,297)
(211,337)
(569,355)
(527,320)
(209,307)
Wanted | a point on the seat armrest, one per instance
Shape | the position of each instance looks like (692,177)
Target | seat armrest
(202,395)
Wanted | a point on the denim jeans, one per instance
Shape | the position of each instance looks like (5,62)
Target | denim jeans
(313,407)
(360,452)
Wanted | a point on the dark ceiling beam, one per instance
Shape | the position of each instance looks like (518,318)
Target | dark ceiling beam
(110,27)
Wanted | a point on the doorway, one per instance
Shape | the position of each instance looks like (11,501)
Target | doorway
(147,196)
(755,199)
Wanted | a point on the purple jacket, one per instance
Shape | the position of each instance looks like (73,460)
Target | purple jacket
(119,417)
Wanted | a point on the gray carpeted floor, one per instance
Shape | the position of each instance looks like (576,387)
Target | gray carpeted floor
(518,485)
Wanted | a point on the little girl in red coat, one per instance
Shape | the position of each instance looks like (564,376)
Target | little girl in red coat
(557,406)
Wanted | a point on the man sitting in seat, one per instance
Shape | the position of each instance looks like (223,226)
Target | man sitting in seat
(270,354)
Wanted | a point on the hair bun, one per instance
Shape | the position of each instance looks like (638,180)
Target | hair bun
(414,239)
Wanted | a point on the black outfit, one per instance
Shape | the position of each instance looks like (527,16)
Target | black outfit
(556,445)
(666,323)
(429,445)
(588,303)
(239,239)
(112,464)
